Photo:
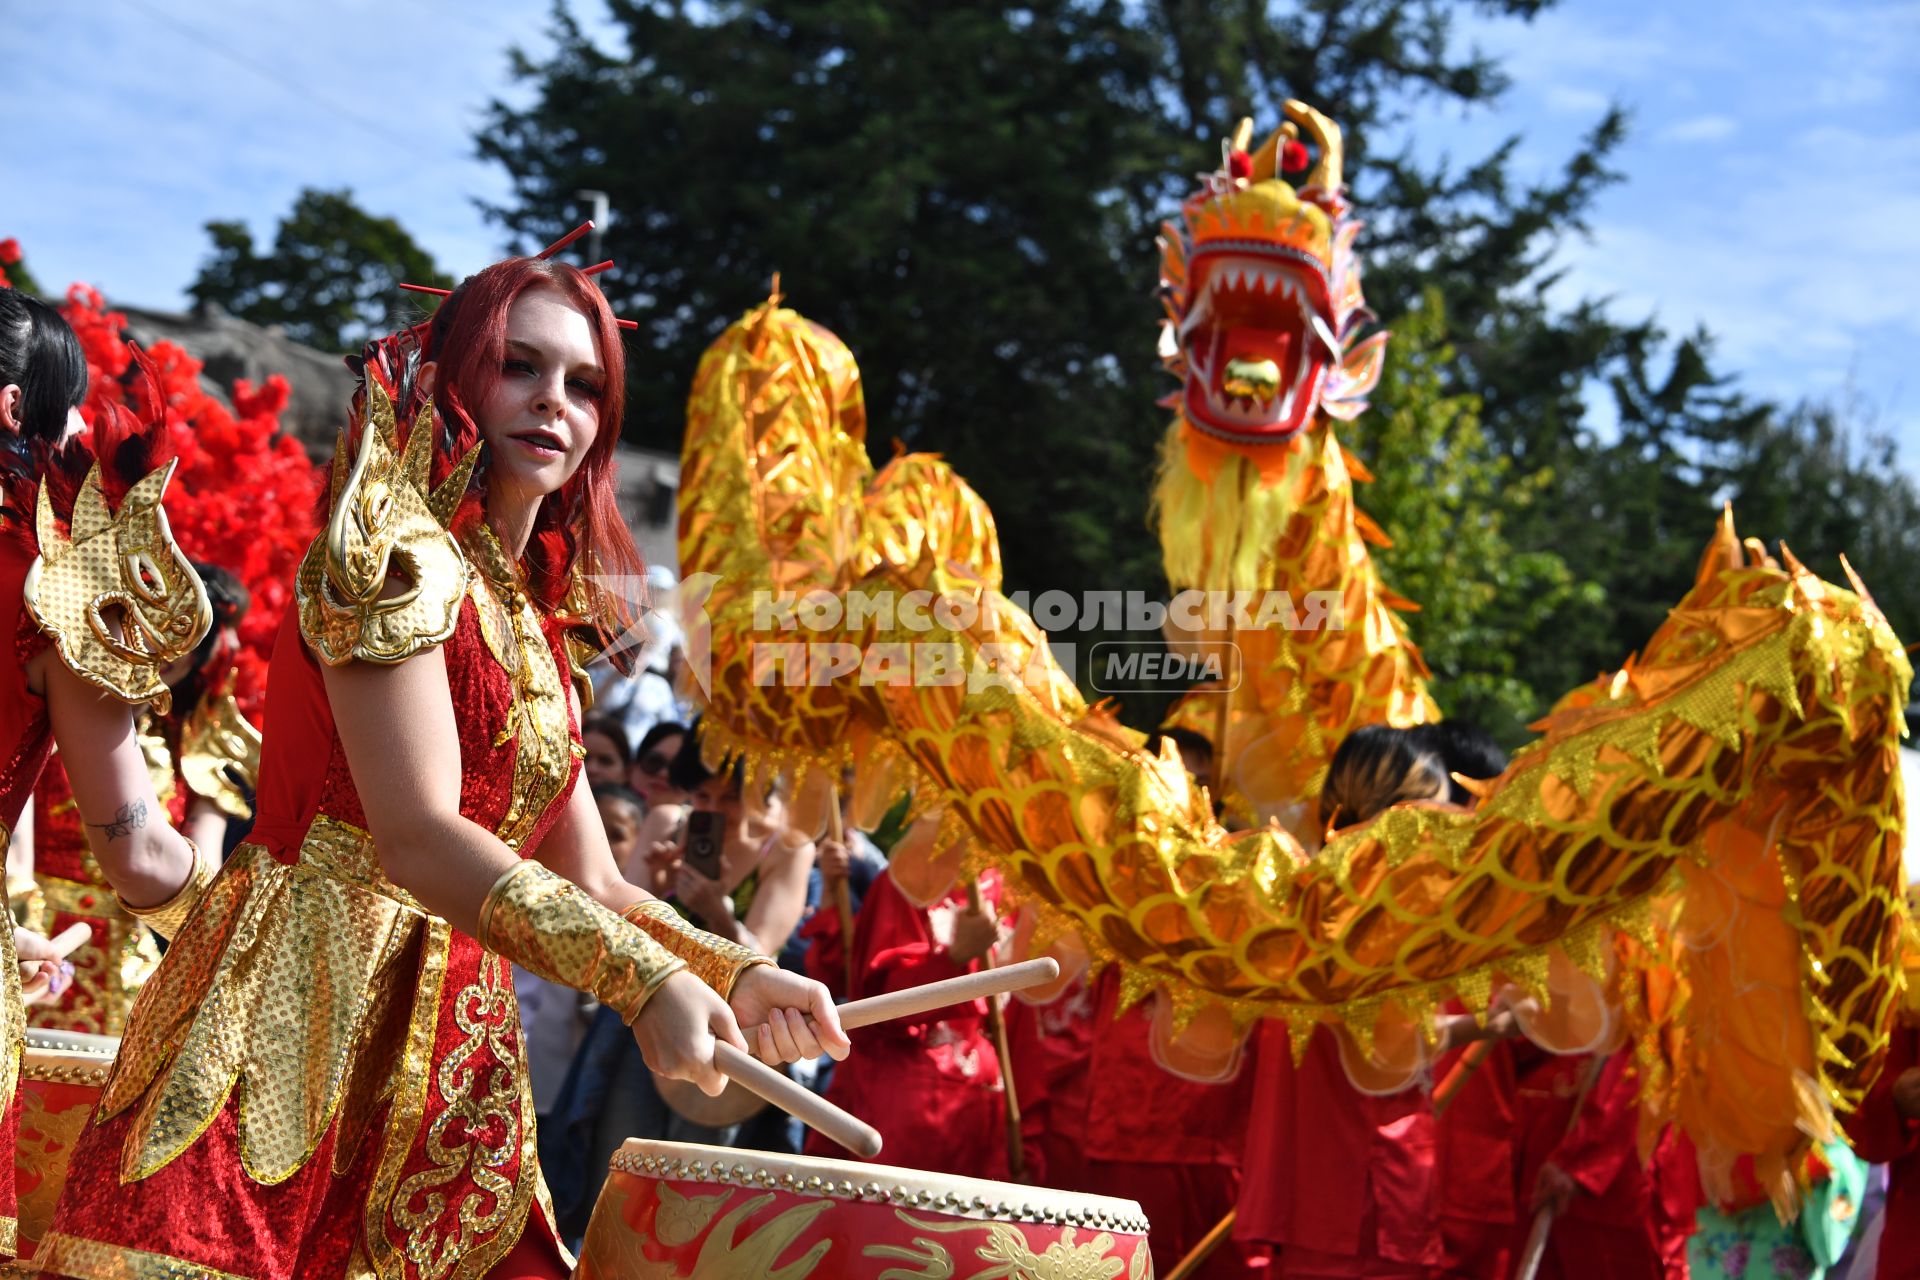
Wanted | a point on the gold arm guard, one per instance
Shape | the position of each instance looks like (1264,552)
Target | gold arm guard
(167,918)
(712,959)
(550,927)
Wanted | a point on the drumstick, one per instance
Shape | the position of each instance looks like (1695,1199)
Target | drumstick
(810,1109)
(929,996)
(68,940)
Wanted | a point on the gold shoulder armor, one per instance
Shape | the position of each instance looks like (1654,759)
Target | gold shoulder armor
(115,592)
(220,754)
(384,578)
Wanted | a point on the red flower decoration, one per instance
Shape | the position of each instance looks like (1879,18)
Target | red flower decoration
(9,251)
(245,495)
(1239,164)
(1293,156)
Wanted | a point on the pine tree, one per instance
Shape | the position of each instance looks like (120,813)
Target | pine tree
(332,278)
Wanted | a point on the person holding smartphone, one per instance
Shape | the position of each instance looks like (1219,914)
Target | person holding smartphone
(741,869)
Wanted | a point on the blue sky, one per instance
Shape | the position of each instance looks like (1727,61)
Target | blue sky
(1772,193)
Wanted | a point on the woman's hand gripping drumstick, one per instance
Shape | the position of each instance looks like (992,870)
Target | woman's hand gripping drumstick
(44,971)
(939,995)
(816,1112)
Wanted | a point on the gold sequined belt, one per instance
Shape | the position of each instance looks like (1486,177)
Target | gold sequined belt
(341,851)
(78,898)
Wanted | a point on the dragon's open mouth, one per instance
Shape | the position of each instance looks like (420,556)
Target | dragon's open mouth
(1258,337)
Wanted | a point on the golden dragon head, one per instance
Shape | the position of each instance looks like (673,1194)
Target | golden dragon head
(1262,290)
(115,591)
(385,578)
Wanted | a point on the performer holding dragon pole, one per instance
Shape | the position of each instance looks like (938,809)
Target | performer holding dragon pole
(326,1076)
(97,599)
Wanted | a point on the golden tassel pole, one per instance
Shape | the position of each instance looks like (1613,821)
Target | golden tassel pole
(837,888)
(1204,1250)
(1003,1050)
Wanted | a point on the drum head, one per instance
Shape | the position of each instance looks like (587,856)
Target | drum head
(971,1198)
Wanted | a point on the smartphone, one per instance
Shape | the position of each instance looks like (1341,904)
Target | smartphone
(704,830)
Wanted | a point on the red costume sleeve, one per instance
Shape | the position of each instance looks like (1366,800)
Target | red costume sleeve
(1603,1139)
(1881,1135)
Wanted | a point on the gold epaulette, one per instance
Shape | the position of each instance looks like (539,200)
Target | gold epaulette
(220,754)
(384,579)
(115,593)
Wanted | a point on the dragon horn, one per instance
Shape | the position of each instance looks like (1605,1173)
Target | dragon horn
(1854,581)
(1723,550)
(1328,172)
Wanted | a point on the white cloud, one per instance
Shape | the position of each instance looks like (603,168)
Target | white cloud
(1707,128)
(1572,100)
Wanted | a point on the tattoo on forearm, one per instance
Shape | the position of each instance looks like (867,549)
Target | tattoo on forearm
(129,819)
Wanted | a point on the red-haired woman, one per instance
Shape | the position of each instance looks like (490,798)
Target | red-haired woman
(326,1077)
(66,562)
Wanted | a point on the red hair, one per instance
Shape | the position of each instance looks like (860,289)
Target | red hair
(578,529)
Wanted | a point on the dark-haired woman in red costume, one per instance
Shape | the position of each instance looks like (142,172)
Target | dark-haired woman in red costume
(94,599)
(325,1078)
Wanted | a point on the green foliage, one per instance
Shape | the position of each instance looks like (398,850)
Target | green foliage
(331,279)
(1445,494)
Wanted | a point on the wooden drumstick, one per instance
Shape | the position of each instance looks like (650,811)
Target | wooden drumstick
(810,1109)
(69,939)
(929,996)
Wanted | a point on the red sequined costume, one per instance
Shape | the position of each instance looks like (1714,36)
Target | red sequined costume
(323,1079)
(65,553)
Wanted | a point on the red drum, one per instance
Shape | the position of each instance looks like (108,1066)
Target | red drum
(671,1209)
(61,1075)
